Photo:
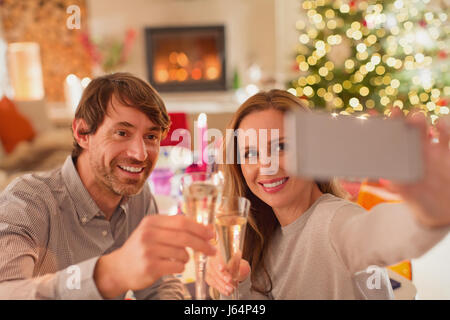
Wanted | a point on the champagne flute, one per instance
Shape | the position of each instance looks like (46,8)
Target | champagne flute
(201,191)
(231,221)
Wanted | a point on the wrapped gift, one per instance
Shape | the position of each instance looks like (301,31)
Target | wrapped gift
(371,194)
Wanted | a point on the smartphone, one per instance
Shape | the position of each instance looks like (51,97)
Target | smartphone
(323,146)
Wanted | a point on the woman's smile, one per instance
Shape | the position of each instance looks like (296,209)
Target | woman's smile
(273,185)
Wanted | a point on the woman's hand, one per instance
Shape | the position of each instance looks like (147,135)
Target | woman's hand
(429,197)
(218,276)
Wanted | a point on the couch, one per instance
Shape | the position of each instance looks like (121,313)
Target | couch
(47,150)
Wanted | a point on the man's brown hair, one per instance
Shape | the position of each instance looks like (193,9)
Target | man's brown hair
(128,90)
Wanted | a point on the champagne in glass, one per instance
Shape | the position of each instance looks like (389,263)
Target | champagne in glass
(201,191)
(201,199)
(231,221)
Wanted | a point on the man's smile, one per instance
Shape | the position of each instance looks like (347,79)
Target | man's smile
(131,169)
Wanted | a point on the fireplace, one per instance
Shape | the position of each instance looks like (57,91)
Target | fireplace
(186,58)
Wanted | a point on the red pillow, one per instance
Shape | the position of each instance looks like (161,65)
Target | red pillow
(14,127)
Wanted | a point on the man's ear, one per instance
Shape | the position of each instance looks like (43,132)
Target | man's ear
(79,129)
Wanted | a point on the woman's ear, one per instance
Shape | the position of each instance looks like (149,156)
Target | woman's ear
(79,129)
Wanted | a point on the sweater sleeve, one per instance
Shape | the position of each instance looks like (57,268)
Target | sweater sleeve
(385,235)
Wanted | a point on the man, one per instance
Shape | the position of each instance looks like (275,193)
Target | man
(90,229)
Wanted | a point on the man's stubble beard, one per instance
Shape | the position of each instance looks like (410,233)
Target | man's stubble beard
(105,177)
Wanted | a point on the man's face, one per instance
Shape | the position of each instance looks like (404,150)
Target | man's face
(123,151)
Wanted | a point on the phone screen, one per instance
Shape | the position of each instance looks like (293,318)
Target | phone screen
(327,146)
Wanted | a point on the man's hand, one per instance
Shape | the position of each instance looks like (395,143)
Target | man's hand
(156,248)
(430,197)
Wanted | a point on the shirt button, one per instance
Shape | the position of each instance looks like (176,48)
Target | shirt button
(104,233)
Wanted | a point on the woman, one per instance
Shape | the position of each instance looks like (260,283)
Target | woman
(303,240)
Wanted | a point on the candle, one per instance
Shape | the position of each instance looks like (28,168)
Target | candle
(72,91)
(202,128)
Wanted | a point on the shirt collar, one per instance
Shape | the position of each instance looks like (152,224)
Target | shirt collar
(85,206)
(124,204)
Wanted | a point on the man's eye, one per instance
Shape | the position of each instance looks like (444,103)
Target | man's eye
(121,133)
(152,137)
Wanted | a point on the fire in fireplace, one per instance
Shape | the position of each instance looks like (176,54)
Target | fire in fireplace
(186,58)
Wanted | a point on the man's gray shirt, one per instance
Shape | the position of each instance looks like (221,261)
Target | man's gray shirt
(52,233)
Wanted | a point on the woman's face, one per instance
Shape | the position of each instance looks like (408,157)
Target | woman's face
(263,159)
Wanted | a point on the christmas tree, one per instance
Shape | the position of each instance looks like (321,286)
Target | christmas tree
(365,57)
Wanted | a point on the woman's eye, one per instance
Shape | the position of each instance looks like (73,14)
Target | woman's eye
(251,154)
(281,146)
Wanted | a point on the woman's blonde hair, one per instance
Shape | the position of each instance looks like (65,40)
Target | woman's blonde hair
(261,221)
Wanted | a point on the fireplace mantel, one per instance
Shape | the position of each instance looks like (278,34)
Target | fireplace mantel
(205,101)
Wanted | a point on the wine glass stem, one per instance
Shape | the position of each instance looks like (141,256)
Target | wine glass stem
(235,294)
(200,271)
